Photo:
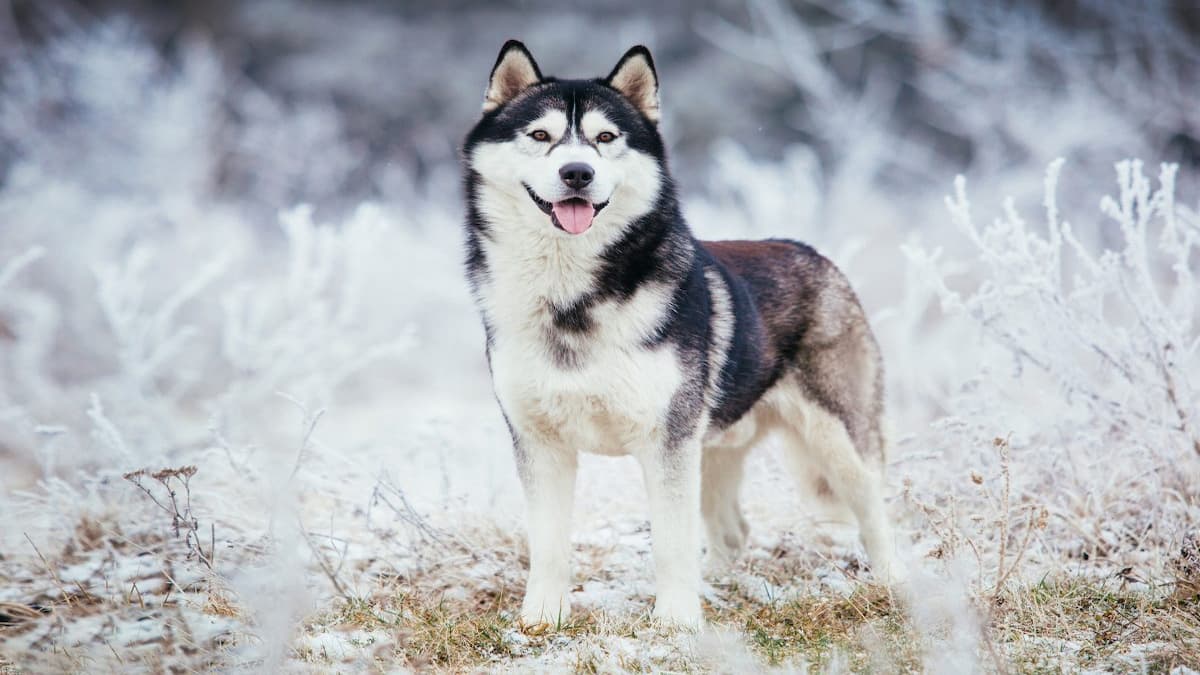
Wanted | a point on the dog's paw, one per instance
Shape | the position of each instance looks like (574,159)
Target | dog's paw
(545,609)
(726,539)
(719,560)
(679,609)
(891,572)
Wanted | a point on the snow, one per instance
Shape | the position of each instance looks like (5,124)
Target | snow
(304,337)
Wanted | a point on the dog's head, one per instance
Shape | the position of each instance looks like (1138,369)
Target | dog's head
(576,155)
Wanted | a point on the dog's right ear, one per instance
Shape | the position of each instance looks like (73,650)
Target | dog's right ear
(514,72)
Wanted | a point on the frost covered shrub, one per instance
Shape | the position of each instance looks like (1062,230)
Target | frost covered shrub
(184,344)
(1089,358)
(140,309)
(903,93)
(889,100)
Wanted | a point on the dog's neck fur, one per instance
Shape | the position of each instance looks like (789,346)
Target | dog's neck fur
(529,278)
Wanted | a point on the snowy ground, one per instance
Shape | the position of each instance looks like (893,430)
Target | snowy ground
(353,504)
(125,592)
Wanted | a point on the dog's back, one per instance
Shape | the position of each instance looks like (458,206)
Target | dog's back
(797,310)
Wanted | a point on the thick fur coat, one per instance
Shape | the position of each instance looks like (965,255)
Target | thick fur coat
(612,329)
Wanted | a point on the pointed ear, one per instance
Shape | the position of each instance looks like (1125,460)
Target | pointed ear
(634,77)
(514,72)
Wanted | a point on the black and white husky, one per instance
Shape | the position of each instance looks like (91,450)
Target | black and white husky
(611,329)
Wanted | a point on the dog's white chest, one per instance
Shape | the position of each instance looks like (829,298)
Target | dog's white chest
(614,403)
(596,389)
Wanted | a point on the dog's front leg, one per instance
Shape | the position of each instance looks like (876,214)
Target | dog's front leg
(673,487)
(548,475)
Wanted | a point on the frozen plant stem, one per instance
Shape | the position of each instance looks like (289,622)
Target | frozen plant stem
(46,564)
(182,519)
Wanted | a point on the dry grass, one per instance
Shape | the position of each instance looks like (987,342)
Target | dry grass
(437,620)
(435,634)
(1060,624)
(1056,625)
(103,600)
(1102,623)
(860,628)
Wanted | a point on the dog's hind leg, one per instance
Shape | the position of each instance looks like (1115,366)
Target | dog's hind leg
(816,439)
(724,523)
(722,468)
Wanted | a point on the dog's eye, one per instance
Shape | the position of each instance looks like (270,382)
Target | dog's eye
(606,137)
(540,135)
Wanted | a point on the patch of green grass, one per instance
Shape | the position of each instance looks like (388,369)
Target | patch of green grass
(863,627)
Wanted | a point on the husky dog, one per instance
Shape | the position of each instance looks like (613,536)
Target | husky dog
(611,329)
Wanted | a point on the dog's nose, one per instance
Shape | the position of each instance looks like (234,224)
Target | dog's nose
(576,175)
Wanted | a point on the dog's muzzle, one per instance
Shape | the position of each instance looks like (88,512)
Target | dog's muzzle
(573,215)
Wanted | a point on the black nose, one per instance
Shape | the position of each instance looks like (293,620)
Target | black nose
(576,175)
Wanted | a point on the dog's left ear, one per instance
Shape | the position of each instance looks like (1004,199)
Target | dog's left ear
(514,72)
(634,77)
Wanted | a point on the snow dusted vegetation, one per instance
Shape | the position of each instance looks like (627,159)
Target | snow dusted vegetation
(246,422)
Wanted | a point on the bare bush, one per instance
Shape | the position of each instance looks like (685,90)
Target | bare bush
(1102,342)
(178,507)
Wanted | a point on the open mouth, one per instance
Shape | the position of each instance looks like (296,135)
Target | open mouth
(573,215)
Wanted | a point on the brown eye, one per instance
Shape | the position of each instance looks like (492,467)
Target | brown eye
(540,135)
(606,137)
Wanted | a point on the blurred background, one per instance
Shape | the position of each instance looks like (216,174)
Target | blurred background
(377,95)
(206,203)
(230,237)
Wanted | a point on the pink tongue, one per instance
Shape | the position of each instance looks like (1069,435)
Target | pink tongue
(575,215)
